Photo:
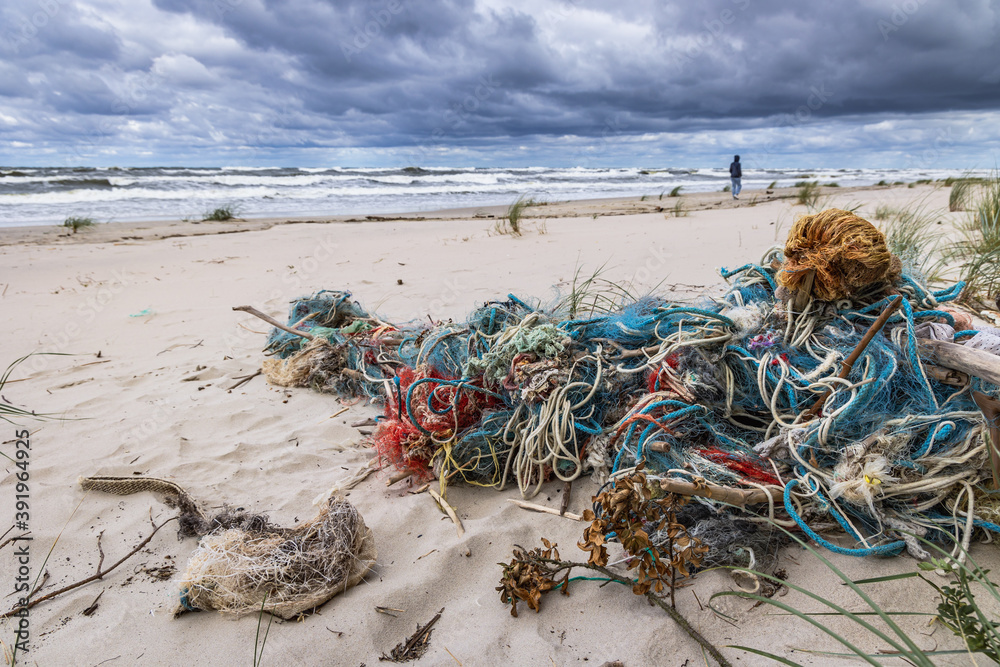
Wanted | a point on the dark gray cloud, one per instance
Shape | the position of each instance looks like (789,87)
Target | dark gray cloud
(494,81)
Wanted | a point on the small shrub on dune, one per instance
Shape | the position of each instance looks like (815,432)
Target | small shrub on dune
(77,223)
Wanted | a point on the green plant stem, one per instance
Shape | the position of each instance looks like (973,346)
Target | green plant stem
(652,597)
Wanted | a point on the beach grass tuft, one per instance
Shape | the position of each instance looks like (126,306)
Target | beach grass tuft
(76,223)
(883,212)
(676,192)
(510,223)
(727,189)
(910,234)
(978,251)
(773,185)
(958,610)
(221,214)
(808,194)
(958,198)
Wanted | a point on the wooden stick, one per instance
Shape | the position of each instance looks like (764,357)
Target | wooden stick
(653,599)
(946,375)
(523,504)
(447,508)
(961,358)
(991,412)
(804,292)
(99,575)
(273,322)
(398,477)
(848,364)
(243,380)
(567,490)
(725,494)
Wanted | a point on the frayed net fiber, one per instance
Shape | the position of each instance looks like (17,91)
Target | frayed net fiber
(847,252)
(284,571)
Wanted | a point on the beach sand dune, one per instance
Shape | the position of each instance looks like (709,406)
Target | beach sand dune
(155,346)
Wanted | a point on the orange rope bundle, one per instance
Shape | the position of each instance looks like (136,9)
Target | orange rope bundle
(847,252)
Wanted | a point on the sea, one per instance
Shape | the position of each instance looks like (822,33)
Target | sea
(45,196)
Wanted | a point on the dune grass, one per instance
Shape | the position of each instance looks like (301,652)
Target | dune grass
(76,223)
(221,214)
(510,223)
(883,212)
(958,198)
(808,193)
(911,234)
(978,251)
(676,192)
(957,609)
(773,185)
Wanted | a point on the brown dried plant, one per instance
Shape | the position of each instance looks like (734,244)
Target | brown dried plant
(529,574)
(628,510)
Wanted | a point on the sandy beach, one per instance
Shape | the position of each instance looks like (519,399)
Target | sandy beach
(143,313)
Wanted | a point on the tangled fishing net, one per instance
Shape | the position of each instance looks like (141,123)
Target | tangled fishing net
(282,571)
(740,393)
(245,564)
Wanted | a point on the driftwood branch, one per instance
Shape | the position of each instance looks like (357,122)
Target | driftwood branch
(724,494)
(243,379)
(523,504)
(653,598)
(98,575)
(961,358)
(946,376)
(448,509)
(848,363)
(991,412)
(273,322)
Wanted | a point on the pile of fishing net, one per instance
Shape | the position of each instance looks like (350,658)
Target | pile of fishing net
(246,564)
(282,571)
(739,393)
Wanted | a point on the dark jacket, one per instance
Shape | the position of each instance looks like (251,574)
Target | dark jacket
(735,171)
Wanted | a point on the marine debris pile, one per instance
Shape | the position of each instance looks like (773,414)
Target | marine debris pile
(246,564)
(828,389)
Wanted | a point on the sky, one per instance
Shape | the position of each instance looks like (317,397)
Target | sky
(561,83)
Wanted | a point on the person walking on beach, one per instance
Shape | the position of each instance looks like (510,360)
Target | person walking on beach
(736,174)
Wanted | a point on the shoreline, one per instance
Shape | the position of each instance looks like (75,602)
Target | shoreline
(609,207)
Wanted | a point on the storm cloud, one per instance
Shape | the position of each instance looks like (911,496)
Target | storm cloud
(905,83)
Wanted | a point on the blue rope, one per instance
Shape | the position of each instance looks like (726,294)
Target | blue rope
(890,549)
(726,274)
